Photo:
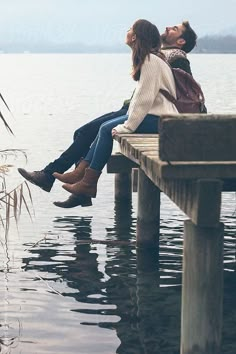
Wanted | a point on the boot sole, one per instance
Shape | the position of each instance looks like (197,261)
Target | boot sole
(58,204)
(68,204)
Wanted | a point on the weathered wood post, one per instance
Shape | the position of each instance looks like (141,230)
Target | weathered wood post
(123,186)
(122,167)
(148,214)
(135,179)
(202,289)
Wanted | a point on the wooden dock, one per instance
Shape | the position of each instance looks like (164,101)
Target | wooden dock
(192,160)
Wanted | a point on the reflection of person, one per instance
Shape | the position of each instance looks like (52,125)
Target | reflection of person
(78,267)
(152,74)
(176,42)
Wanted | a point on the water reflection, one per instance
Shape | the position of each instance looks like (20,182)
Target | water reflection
(75,262)
(158,307)
(121,285)
(116,287)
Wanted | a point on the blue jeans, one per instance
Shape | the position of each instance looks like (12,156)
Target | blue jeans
(83,138)
(101,148)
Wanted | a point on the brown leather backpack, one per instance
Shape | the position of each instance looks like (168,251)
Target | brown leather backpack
(190,98)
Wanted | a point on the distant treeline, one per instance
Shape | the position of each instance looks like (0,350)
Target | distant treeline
(216,44)
(207,44)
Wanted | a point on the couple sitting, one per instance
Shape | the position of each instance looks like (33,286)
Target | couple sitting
(93,142)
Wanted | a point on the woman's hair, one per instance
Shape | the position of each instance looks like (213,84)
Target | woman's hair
(147,41)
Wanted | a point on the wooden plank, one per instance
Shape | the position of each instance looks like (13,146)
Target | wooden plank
(118,163)
(194,138)
(131,146)
(119,137)
(149,158)
(189,170)
(177,169)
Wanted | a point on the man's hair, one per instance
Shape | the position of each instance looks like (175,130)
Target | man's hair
(189,36)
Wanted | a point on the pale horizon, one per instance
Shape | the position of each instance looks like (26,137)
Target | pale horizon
(104,23)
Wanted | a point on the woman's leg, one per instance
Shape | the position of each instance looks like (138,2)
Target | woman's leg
(97,156)
(149,125)
(101,148)
(100,152)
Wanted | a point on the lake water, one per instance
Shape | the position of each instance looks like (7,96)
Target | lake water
(72,280)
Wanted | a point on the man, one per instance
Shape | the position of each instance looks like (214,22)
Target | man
(176,42)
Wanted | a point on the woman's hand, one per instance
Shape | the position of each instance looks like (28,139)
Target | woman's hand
(113,132)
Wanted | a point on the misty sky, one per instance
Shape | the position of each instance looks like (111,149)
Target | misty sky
(106,21)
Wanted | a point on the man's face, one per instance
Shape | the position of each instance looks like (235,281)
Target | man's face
(171,36)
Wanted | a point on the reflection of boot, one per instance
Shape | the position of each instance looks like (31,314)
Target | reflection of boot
(74,176)
(87,186)
(75,200)
(39,178)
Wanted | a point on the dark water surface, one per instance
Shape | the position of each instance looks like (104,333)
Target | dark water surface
(72,281)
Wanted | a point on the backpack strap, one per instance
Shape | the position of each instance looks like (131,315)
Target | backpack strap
(168,96)
(165,93)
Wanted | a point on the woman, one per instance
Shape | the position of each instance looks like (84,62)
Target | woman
(152,74)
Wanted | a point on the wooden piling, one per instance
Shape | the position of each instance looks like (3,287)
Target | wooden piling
(123,186)
(135,179)
(202,289)
(148,214)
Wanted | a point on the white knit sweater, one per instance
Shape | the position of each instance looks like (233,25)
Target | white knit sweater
(147,99)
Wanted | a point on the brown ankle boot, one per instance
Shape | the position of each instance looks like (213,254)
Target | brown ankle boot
(74,200)
(87,186)
(74,176)
(39,178)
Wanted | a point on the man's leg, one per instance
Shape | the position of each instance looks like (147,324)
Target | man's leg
(84,136)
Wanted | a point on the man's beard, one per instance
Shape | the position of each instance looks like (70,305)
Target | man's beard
(163,39)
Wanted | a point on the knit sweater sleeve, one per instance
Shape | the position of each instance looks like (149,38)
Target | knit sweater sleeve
(144,96)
